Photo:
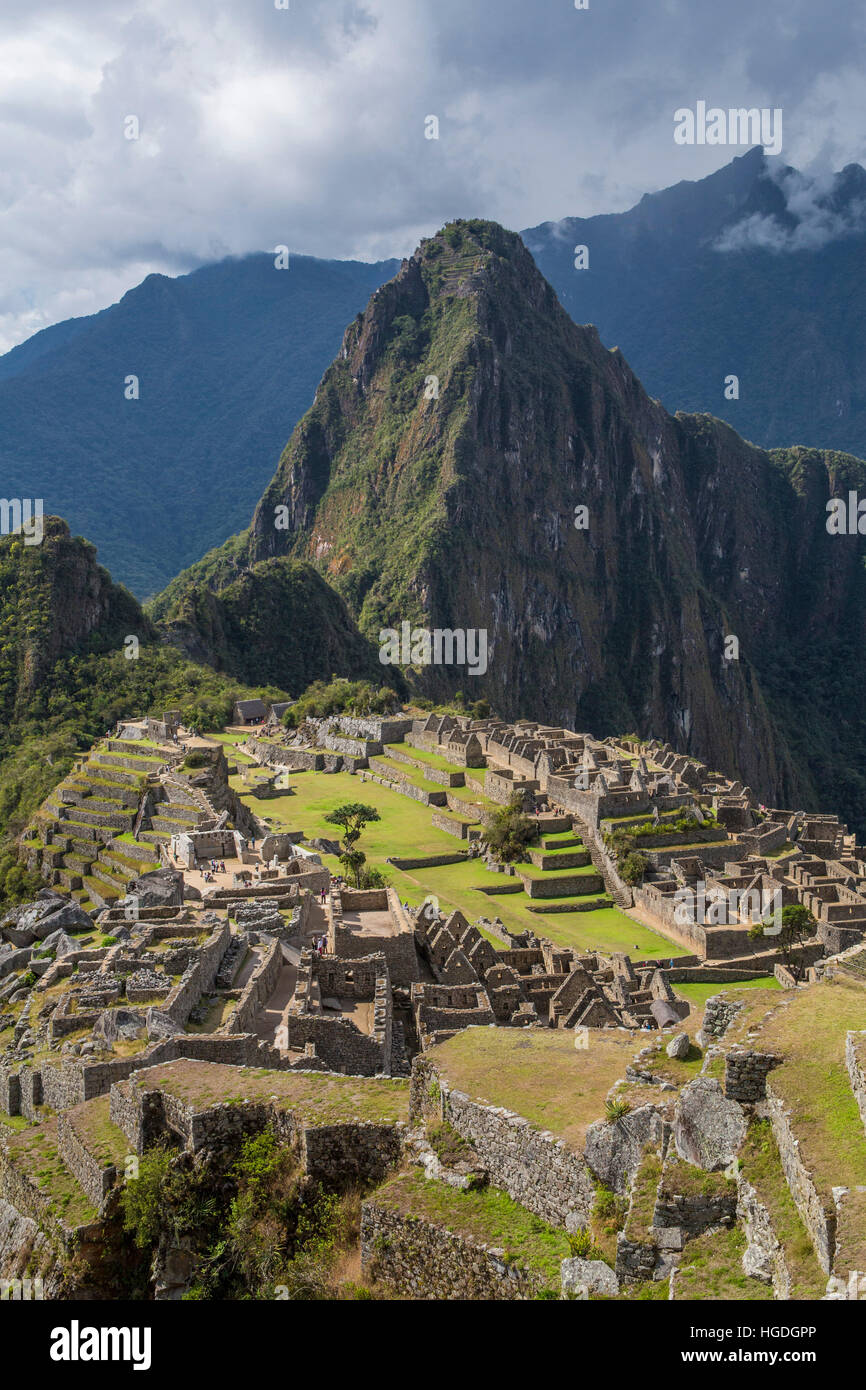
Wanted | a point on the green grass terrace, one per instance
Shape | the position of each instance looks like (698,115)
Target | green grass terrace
(406,831)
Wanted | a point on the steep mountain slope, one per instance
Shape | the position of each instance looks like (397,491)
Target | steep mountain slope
(458,510)
(228,357)
(227,360)
(781,307)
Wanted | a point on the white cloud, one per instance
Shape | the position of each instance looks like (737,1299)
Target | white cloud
(811,218)
(305,126)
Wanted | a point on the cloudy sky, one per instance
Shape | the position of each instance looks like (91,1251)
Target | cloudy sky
(305,126)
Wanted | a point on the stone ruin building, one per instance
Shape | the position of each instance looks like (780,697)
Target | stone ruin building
(177,929)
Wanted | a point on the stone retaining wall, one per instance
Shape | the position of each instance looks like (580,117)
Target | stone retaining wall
(446,778)
(428,861)
(458,828)
(276,755)
(95,1179)
(855,1060)
(531,1165)
(719,1014)
(563,886)
(818,1218)
(746,1074)
(75,1080)
(199,979)
(418,1259)
(257,991)
(338,1155)
(335,1155)
(389,776)
(764,1258)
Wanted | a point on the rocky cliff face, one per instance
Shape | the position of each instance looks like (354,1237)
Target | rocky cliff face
(55,599)
(439,477)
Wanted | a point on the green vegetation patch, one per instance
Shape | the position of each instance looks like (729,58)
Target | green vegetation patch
(35,1152)
(485,1215)
(762,1167)
(809,1030)
(712,1270)
(101,1138)
(643,1199)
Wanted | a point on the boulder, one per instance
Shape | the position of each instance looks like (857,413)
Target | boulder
(162,888)
(325,846)
(119,1024)
(60,943)
(67,917)
(614,1148)
(678,1047)
(708,1128)
(19,936)
(14,960)
(583,1277)
(46,900)
(160,1025)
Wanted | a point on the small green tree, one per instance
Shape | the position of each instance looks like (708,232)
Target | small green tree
(508,831)
(633,868)
(798,926)
(353,817)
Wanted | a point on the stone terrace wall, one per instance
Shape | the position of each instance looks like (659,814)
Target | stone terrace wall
(380,727)
(820,1221)
(275,755)
(10,1091)
(428,861)
(75,1081)
(364,1153)
(257,991)
(746,1074)
(531,1165)
(334,1155)
(200,977)
(719,1014)
(421,1260)
(339,1043)
(855,1059)
(94,1179)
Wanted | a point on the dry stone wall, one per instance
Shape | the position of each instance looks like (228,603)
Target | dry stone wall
(531,1165)
(855,1059)
(746,1074)
(818,1218)
(94,1178)
(421,1260)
